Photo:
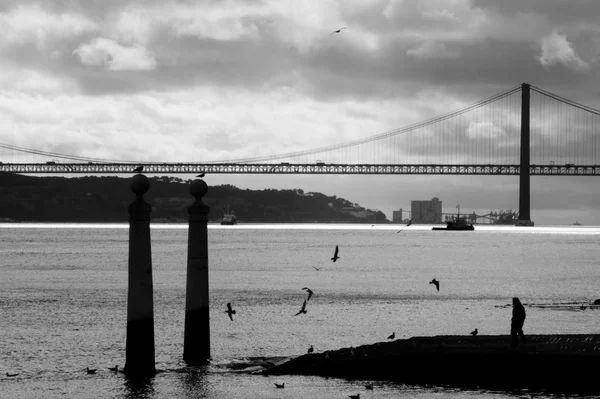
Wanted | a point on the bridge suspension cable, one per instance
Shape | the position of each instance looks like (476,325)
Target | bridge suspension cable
(562,131)
(378,136)
(566,101)
(59,155)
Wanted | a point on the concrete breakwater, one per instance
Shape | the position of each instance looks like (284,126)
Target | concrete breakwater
(563,362)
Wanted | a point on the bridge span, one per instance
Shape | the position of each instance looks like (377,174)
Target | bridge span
(292,168)
(524,131)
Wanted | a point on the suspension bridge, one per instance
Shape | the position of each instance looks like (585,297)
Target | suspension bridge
(522,131)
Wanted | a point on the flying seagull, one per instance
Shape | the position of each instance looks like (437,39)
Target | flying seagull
(392,336)
(311,349)
(230,311)
(337,31)
(474,332)
(317,268)
(139,168)
(282,385)
(335,254)
(407,224)
(115,369)
(436,283)
(90,371)
(201,175)
(303,309)
(310,293)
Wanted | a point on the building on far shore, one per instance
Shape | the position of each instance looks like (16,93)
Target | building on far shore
(397,216)
(426,211)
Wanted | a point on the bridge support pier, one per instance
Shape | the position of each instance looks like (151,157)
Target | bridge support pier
(196,340)
(524,187)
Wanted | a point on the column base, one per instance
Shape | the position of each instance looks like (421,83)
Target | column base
(524,223)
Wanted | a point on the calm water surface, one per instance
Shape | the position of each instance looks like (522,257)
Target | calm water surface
(63,301)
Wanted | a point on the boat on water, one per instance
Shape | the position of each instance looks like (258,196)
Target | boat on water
(457,223)
(228,217)
(576,224)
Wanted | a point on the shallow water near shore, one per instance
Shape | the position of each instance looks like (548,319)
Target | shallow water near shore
(63,301)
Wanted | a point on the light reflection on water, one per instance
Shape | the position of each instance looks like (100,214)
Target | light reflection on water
(63,300)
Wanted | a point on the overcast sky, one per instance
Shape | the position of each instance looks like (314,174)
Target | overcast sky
(194,81)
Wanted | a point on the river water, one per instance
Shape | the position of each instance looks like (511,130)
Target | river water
(63,301)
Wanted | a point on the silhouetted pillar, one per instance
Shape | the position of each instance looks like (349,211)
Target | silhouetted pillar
(524,188)
(196,342)
(139,351)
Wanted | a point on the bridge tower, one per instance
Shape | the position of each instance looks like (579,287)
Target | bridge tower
(524,187)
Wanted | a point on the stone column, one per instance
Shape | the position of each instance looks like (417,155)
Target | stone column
(139,352)
(196,343)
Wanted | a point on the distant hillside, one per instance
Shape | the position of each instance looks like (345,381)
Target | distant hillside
(105,199)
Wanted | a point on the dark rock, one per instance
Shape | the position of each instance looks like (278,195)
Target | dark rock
(566,361)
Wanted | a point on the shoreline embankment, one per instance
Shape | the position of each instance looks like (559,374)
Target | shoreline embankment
(556,362)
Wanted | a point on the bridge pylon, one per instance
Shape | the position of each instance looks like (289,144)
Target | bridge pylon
(524,186)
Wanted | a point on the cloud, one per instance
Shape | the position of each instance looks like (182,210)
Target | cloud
(430,49)
(25,80)
(33,24)
(115,57)
(485,130)
(556,49)
(218,23)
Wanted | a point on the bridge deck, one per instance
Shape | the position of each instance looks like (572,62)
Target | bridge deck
(292,168)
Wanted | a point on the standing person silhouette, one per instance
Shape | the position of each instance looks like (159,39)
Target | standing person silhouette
(516,323)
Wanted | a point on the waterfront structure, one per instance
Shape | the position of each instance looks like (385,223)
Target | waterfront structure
(139,349)
(565,363)
(196,337)
(397,216)
(426,211)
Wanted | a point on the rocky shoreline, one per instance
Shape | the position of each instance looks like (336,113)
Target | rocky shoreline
(557,362)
